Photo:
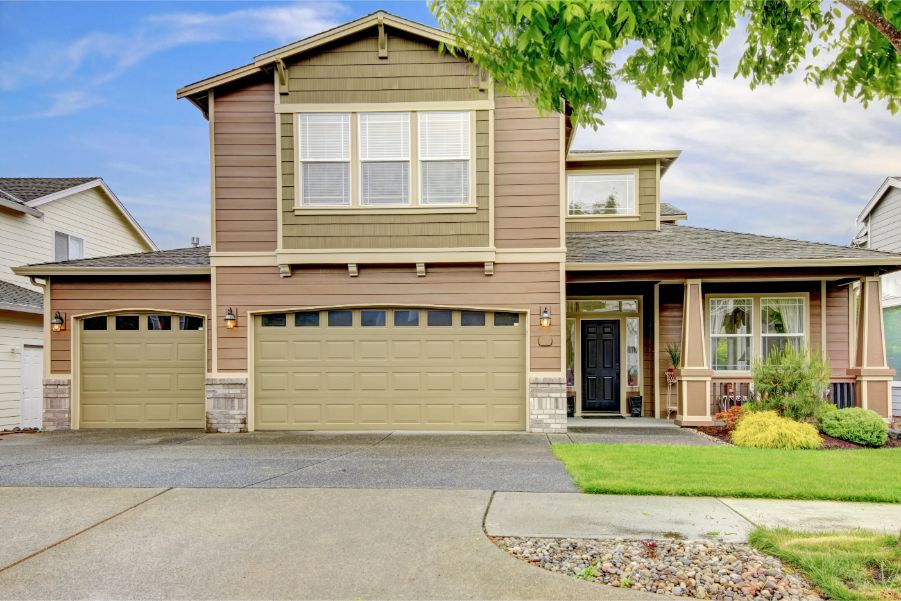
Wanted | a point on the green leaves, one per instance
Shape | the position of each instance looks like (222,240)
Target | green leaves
(577,51)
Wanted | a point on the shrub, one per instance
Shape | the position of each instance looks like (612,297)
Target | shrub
(769,430)
(731,417)
(856,424)
(791,383)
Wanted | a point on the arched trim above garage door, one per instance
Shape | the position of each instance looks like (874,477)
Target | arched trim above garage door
(76,322)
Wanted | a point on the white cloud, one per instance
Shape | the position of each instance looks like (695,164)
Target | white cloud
(67,103)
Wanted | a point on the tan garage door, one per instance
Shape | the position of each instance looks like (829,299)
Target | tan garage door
(376,369)
(142,371)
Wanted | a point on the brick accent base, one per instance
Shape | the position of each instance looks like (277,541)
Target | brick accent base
(547,404)
(57,400)
(226,404)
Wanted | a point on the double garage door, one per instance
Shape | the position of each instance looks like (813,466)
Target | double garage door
(389,368)
(141,370)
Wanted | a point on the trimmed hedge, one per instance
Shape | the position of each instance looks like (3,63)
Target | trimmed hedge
(768,430)
(856,424)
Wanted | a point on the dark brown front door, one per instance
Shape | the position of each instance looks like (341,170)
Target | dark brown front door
(600,365)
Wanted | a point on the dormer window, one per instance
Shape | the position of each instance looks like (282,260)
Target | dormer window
(602,194)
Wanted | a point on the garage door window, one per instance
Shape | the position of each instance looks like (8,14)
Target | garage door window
(441,318)
(406,318)
(472,318)
(275,320)
(95,323)
(159,322)
(190,322)
(306,319)
(340,319)
(506,319)
(372,319)
(127,322)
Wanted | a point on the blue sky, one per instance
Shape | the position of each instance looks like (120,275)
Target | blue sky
(89,89)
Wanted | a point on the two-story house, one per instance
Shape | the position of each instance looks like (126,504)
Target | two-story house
(880,229)
(47,219)
(398,244)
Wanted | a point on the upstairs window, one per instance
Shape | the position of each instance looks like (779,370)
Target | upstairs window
(384,158)
(601,194)
(444,149)
(67,247)
(324,159)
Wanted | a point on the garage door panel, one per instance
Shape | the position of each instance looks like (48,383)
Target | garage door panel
(127,352)
(191,351)
(159,382)
(381,377)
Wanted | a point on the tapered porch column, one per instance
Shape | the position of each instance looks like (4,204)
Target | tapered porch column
(874,376)
(694,373)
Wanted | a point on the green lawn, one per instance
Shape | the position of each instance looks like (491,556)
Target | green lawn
(845,565)
(725,471)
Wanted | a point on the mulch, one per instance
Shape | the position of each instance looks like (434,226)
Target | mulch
(829,443)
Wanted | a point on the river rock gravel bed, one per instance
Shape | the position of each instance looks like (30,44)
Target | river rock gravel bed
(698,569)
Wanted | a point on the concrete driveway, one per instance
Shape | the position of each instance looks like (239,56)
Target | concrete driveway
(192,459)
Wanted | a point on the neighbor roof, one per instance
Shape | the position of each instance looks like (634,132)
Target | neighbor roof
(666,157)
(17,298)
(889,183)
(681,247)
(666,209)
(177,261)
(32,188)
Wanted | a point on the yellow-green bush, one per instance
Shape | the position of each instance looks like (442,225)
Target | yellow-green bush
(768,430)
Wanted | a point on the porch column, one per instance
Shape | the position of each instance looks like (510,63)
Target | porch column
(874,377)
(694,373)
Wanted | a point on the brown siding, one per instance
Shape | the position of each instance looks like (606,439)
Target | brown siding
(527,176)
(245,166)
(671,300)
(74,296)
(838,330)
(513,286)
(648,203)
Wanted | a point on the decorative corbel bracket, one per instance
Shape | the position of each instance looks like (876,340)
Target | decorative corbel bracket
(383,40)
(484,80)
(284,271)
(282,76)
(489,267)
(420,270)
(352,270)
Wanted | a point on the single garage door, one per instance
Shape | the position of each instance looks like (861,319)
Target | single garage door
(142,371)
(376,369)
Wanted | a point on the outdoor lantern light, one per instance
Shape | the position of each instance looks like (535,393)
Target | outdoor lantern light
(230,319)
(545,319)
(57,323)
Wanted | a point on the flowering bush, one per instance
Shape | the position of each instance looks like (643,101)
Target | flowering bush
(731,417)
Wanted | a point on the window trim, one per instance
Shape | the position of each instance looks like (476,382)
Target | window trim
(414,206)
(636,208)
(756,326)
(298,162)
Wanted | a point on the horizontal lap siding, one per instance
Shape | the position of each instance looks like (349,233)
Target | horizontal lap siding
(838,330)
(527,175)
(885,223)
(513,286)
(647,201)
(74,296)
(670,323)
(245,167)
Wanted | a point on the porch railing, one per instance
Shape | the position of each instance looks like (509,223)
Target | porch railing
(725,394)
(842,394)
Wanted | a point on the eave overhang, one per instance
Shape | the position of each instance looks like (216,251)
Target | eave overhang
(749,264)
(38,271)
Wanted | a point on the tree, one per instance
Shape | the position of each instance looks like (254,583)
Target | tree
(578,50)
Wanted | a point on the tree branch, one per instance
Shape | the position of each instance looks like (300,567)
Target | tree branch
(876,21)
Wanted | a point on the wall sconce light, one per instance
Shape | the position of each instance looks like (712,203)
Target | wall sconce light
(231,320)
(545,319)
(58,323)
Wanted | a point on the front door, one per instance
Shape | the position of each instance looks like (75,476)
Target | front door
(600,365)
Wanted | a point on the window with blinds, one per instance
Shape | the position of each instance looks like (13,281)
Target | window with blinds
(444,143)
(384,158)
(324,159)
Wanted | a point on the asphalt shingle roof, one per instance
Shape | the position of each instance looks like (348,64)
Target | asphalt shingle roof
(17,296)
(29,188)
(681,243)
(668,209)
(177,257)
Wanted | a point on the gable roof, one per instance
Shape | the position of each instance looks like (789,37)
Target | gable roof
(672,212)
(267,59)
(685,247)
(17,298)
(176,261)
(889,183)
(27,193)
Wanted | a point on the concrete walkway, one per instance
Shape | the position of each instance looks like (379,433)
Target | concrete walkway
(554,515)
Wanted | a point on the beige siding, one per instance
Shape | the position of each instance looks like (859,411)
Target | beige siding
(75,296)
(88,215)
(16,329)
(513,286)
(527,176)
(648,202)
(244,149)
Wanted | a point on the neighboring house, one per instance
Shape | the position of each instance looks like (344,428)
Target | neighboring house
(47,219)
(397,244)
(880,229)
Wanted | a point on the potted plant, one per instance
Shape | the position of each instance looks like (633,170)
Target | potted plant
(675,356)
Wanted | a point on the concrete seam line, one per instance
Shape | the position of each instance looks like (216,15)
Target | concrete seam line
(738,513)
(485,515)
(375,444)
(82,531)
